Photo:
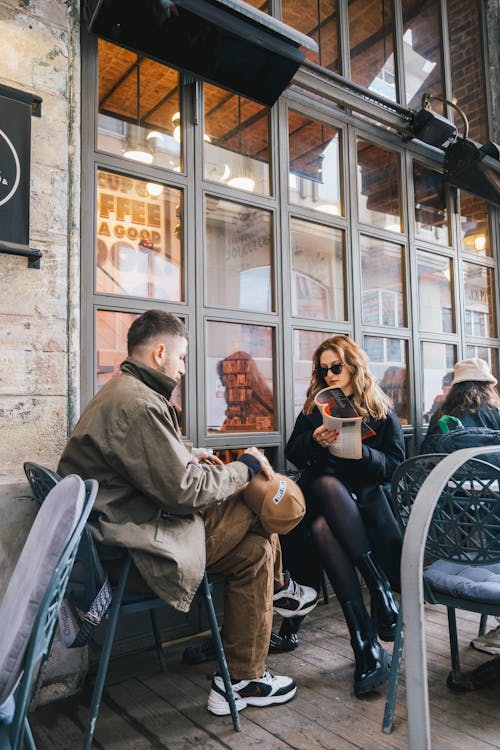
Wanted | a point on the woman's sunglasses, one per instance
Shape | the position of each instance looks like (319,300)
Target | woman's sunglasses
(335,369)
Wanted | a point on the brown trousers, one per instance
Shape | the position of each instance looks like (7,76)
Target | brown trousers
(248,560)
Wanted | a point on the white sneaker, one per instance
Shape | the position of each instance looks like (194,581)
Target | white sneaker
(265,691)
(294,600)
(489,642)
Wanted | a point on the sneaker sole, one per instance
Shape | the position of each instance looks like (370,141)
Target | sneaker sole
(296,612)
(271,700)
(220,707)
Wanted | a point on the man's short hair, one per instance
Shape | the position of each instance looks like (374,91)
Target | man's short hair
(151,324)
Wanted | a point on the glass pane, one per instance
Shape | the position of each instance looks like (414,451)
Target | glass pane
(236,141)
(479,296)
(319,21)
(431,212)
(305,344)
(318,269)
(486,353)
(422,52)
(379,187)
(474,225)
(383,286)
(239,392)
(434,293)
(111,345)
(139,238)
(314,171)
(139,108)
(437,361)
(388,362)
(238,256)
(370,40)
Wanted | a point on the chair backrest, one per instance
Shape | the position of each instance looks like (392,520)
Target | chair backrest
(465,526)
(41,480)
(28,611)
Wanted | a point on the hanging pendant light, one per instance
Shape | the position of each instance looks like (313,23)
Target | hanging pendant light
(244,180)
(137,147)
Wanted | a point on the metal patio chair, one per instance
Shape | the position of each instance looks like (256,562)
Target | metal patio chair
(124,603)
(29,609)
(462,549)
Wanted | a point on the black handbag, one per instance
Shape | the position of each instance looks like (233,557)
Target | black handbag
(382,528)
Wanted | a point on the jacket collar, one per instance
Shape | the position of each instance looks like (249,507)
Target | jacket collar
(162,384)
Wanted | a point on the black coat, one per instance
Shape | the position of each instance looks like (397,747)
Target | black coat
(382,453)
(484,417)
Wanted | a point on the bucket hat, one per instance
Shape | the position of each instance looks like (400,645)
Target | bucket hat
(472,369)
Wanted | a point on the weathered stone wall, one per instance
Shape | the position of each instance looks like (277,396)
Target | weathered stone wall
(40,54)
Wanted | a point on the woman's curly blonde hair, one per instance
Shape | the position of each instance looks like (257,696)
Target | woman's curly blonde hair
(368,398)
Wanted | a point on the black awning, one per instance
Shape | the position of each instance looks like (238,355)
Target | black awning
(226,42)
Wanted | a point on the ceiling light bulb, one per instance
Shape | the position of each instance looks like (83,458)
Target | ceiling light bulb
(154,189)
(136,153)
(242,183)
(480,243)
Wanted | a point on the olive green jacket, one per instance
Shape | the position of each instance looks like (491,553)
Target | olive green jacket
(151,490)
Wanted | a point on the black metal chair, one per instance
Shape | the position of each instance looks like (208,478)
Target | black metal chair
(124,603)
(463,539)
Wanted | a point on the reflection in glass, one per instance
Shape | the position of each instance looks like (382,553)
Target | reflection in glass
(314,170)
(378,186)
(474,225)
(434,293)
(370,39)
(238,256)
(484,352)
(111,346)
(305,344)
(239,378)
(139,238)
(422,51)
(388,362)
(431,213)
(236,141)
(479,296)
(437,361)
(319,21)
(318,268)
(139,108)
(383,287)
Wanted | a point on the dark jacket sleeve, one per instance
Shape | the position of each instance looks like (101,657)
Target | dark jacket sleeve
(301,449)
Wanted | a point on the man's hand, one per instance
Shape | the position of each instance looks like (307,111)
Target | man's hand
(265,466)
(209,460)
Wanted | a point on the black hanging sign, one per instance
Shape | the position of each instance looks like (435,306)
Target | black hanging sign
(15,149)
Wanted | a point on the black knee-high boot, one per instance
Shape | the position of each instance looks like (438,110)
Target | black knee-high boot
(287,638)
(385,607)
(372,662)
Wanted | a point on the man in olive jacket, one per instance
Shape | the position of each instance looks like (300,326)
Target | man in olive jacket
(177,515)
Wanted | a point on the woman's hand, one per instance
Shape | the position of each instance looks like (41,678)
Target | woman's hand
(325,437)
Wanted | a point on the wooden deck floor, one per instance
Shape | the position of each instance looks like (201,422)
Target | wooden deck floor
(144,709)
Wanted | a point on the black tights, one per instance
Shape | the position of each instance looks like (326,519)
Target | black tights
(338,534)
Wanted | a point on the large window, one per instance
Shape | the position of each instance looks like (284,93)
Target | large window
(270,229)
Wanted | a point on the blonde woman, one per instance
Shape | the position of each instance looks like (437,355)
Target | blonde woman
(334,530)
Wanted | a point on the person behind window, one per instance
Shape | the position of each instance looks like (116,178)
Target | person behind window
(439,400)
(177,515)
(333,534)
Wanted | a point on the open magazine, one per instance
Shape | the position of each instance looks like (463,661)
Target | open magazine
(339,414)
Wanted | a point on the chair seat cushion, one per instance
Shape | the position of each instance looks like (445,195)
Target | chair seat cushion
(473,582)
